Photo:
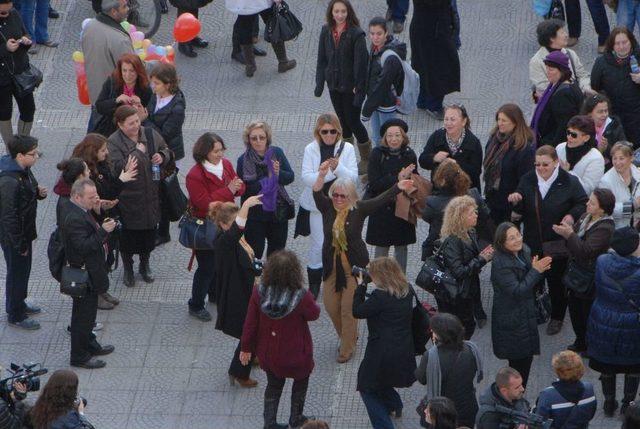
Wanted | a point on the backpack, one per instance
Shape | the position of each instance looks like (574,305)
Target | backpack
(55,253)
(409,97)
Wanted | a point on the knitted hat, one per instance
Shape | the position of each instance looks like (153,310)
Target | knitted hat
(395,122)
(625,241)
(558,59)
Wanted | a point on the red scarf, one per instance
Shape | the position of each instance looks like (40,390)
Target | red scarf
(128,91)
(337,32)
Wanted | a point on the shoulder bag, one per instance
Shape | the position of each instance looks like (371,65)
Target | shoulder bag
(435,278)
(557,249)
(196,233)
(74,281)
(27,81)
(578,279)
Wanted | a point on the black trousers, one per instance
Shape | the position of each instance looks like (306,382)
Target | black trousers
(523,366)
(462,308)
(203,279)
(579,309)
(236,368)
(26,104)
(83,317)
(349,115)
(16,282)
(244,26)
(557,290)
(234,35)
(256,232)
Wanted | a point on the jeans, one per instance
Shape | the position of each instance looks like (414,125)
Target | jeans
(379,404)
(349,116)
(16,282)
(202,279)
(628,14)
(399,9)
(83,317)
(257,232)
(598,15)
(41,9)
(378,119)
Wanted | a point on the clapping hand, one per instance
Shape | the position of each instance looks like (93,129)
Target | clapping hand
(235,185)
(563,229)
(141,147)
(405,185)
(108,204)
(487,253)
(541,264)
(514,198)
(130,170)
(276,167)
(324,168)
(440,156)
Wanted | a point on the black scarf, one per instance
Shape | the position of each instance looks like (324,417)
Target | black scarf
(499,146)
(575,154)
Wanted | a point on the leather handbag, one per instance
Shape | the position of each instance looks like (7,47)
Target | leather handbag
(435,279)
(578,279)
(283,25)
(543,306)
(176,201)
(196,233)
(557,249)
(74,281)
(285,210)
(28,80)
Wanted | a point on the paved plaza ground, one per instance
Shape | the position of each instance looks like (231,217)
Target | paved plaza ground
(169,370)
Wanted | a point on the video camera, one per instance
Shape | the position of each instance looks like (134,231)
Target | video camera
(515,418)
(27,374)
(356,271)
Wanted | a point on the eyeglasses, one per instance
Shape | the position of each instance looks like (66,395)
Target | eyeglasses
(36,154)
(332,132)
(258,138)
(572,134)
(339,196)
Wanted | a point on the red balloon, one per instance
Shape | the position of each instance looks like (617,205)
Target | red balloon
(83,90)
(186,28)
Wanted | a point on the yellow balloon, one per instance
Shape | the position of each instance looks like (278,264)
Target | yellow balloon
(137,44)
(142,55)
(169,50)
(146,43)
(78,57)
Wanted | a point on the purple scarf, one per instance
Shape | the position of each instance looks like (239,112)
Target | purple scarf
(542,104)
(270,188)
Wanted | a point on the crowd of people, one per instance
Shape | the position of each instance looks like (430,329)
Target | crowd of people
(550,208)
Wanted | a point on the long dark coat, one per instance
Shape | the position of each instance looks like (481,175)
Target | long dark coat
(168,122)
(433,47)
(234,281)
(389,357)
(106,104)
(385,228)
(514,327)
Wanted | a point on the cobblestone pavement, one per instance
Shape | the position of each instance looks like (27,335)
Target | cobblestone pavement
(168,370)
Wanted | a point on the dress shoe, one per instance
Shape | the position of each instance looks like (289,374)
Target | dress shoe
(53,14)
(199,42)
(103,304)
(32,309)
(202,314)
(248,383)
(186,49)
(162,239)
(110,298)
(103,350)
(90,364)
(259,52)
(554,327)
(609,407)
(26,324)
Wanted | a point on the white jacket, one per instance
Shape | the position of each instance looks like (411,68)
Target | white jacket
(347,168)
(538,75)
(589,170)
(247,7)
(624,197)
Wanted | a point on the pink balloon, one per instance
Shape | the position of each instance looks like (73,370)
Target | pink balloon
(137,36)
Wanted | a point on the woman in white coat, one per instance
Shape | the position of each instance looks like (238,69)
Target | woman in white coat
(327,145)
(578,155)
(624,181)
(247,11)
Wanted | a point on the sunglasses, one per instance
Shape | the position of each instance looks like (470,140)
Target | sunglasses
(339,196)
(572,134)
(332,132)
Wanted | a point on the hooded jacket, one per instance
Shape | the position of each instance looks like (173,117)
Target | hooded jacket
(488,417)
(384,81)
(571,404)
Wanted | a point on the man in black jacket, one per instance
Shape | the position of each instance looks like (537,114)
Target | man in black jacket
(85,245)
(19,192)
(12,407)
(507,392)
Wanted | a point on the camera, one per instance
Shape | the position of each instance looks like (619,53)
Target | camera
(356,271)
(27,374)
(256,266)
(514,418)
(79,399)
(116,220)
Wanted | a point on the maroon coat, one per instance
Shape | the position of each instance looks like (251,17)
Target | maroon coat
(283,346)
(204,187)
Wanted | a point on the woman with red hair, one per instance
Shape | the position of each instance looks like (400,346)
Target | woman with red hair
(128,84)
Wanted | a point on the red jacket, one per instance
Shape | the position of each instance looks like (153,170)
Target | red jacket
(283,346)
(205,187)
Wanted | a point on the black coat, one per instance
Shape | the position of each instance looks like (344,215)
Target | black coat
(389,357)
(385,228)
(433,46)
(469,156)
(382,81)
(83,240)
(514,326)
(515,164)
(106,104)
(488,418)
(564,104)
(462,259)
(107,183)
(234,281)
(16,62)
(614,80)
(168,122)
(613,133)
(566,196)
(342,67)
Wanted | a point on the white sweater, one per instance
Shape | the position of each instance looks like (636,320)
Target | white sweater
(624,197)
(347,168)
(589,170)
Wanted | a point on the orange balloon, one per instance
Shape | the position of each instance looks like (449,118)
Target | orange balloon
(83,90)
(186,28)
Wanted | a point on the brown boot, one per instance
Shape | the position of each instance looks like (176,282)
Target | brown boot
(249,60)
(284,64)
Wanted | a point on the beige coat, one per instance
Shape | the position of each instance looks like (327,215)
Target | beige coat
(538,76)
(104,41)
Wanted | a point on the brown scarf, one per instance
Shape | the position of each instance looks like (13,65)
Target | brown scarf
(340,246)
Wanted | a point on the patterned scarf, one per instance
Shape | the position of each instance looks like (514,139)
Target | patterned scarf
(340,246)
(499,146)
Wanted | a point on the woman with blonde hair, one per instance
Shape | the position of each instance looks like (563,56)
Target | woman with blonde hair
(343,216)
(624,181)
(462,258)
(389,360)
(265,170)
(327,145)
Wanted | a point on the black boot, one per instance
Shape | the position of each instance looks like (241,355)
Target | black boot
(186,49)
(271,402)
(631,382)
(199,42)
(164,7)
(127,265)
(145,268)
(609,392)
(236,52)
(315,279)
(284,63)
(298,397)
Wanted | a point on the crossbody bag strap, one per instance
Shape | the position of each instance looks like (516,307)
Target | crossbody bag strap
(12,73)
(340,149)
(537,206)
(620,289)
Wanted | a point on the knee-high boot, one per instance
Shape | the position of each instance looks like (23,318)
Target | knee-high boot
(298,398)
(631,382)
(145,268)
(284,64)
(271,403)
(315,279)
(127,265)
(608,382)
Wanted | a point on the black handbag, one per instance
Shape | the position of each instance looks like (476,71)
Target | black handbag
(176,201)
(556,11)
(543,306)
(421,324)
(55,254)
(435,279)
(74,281)
(285,210)
(27,81)
(196,233)
(578,279)
(283,25)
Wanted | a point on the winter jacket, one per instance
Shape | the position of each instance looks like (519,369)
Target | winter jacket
(168,122)
(589,170)
(595,241)
(280,337)
(614,133)
(139,199)
(107,183)
(514,326)
(384,82)
(18,205)
(347,168)
(104,41)
(613,328)
(63,191)
(106,104)
(342,67)
(16,62)
(538,74)
(11,414)
(488,417)
(71,420)
(469,156)
(389,359)
(564,104)
(253,187)
(204,187)
(462,260)
(614,80)
(384,227)
(623,213)
(247,7)
(570,404)
(565,196)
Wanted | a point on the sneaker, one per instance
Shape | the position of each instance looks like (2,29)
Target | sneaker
(26,324)
(203,314)
(33,309)
(50,44)
(398,27)
(33,49)
(90,364)
(97,327)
